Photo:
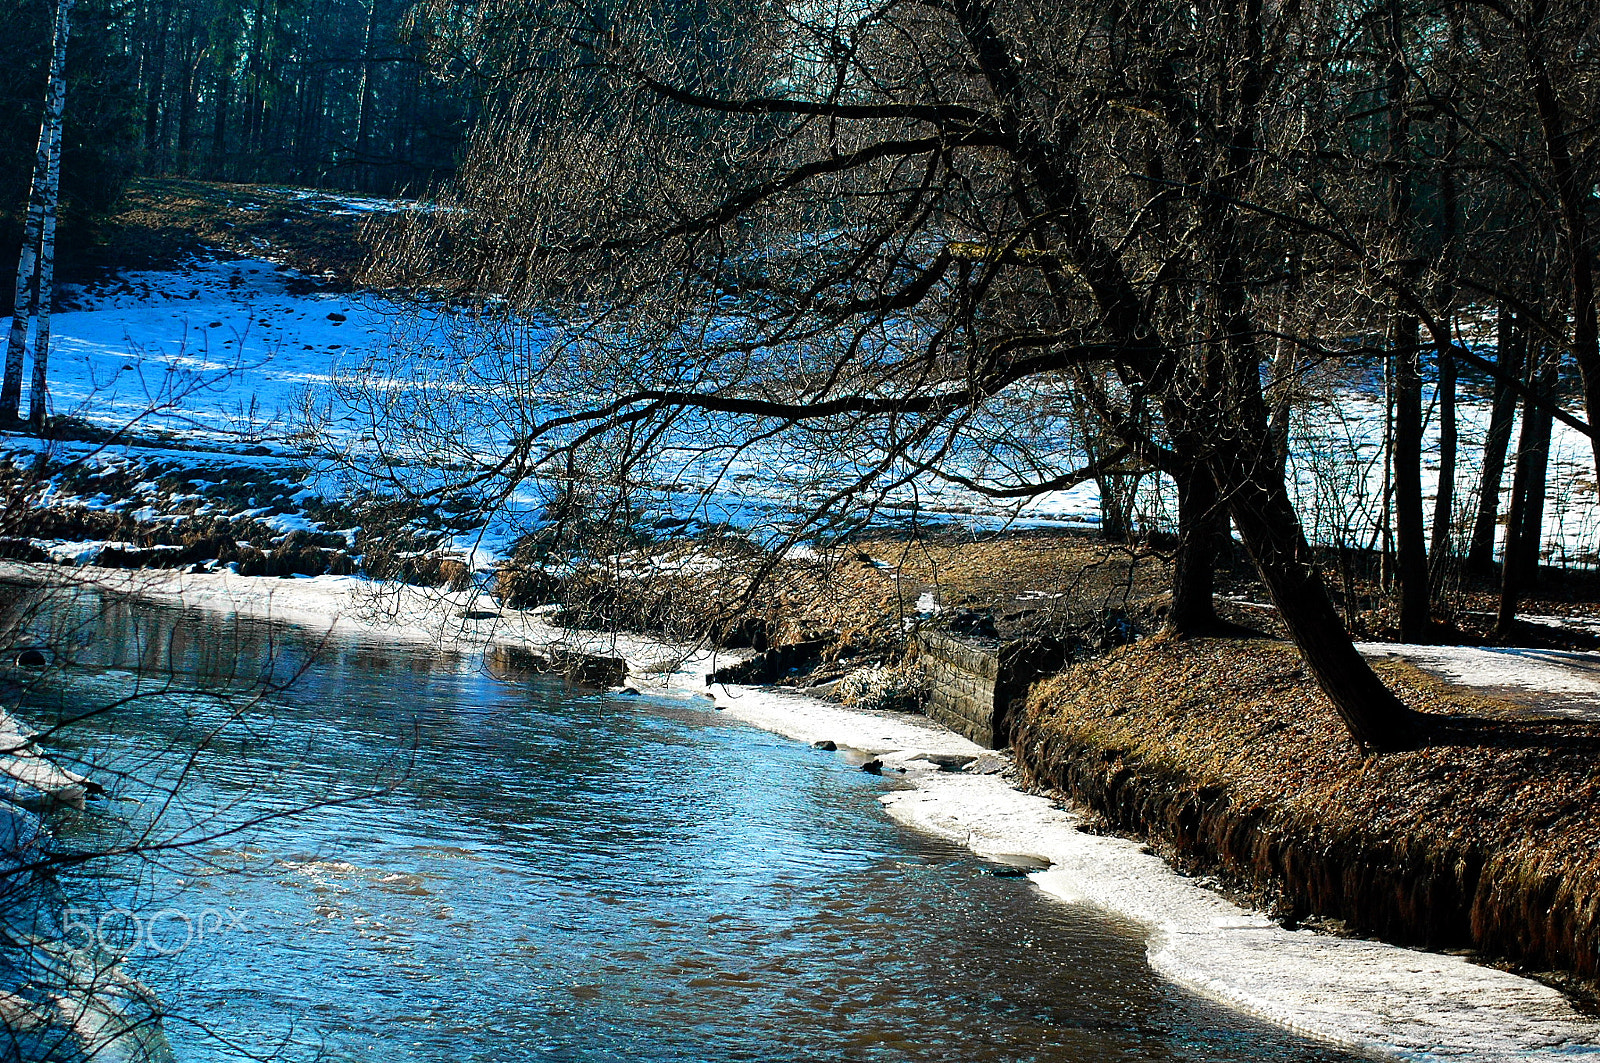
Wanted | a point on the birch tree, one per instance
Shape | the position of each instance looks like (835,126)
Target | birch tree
(36,264)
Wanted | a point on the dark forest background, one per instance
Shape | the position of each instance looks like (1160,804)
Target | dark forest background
(337,94)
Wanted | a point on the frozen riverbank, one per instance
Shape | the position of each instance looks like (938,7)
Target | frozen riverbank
(1365,995)
(59,999)
(1399,1002)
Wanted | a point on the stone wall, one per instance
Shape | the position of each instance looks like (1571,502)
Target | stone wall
(973,683)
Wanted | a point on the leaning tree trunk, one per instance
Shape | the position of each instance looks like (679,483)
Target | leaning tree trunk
(1502,415)
(30,293)
(1265,518)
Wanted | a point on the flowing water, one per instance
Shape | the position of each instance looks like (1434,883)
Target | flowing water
(512,869)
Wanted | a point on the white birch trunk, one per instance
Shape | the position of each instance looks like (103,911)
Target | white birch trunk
(22,308)
(38,398)
(34,289)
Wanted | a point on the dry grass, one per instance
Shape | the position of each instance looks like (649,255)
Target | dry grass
(862,594)
(160,222)
(1224,754)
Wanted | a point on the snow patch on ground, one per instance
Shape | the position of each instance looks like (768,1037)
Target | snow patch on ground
(232,350)
(1359,994)
(1563,681)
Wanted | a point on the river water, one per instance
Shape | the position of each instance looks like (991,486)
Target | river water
(512,869)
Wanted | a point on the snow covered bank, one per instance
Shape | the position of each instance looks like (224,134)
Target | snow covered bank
(1360,994)
(1399,1002)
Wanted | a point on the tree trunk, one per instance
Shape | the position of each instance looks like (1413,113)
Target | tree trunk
(41,203)
(1202,525)
(1445,499)
(154,84)
(1525,523)
(1264,516)
(1411,554)
(366,103)
(186,106)
(1512,346)
(38,397)
(1535,456)
(1385,529)
(221,88)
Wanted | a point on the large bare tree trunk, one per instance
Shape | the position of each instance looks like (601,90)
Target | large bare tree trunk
(1512,345)
(1265,518)
(1202,526)
(30,293)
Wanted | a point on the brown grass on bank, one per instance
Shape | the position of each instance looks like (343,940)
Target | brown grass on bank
(160,222)
(1225,756)
(860,595)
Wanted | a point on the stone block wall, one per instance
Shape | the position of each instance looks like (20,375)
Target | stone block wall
(973,683)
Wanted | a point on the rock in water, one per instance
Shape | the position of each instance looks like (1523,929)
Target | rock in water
(946,761)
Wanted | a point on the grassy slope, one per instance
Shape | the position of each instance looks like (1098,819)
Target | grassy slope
(1225,756)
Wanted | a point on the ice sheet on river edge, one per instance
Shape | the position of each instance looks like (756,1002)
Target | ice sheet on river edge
(79,1003)
(1364,995)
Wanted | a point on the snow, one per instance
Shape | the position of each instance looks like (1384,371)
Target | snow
(1563,681)
(231,354)
(79,553)
(217,350)
(343,203)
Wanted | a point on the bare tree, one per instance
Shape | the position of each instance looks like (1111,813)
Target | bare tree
(36,267)
(875,236)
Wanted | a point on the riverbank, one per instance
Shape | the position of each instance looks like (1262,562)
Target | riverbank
(1361,994)
(1224,756)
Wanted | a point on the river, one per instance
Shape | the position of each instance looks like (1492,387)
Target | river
(513,869)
